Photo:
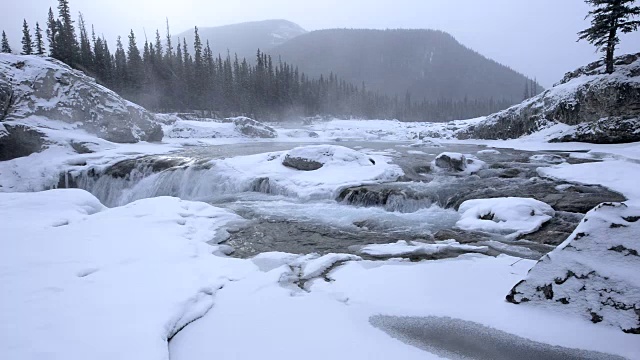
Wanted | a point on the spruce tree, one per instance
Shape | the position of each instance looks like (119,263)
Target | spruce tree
(86,60)
(609,17)
(39,43)
(135,68)
(66,43)
(27,44)
(52,34)
(5,48)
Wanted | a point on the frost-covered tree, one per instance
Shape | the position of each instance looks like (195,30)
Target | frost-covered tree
(5,44)
(39,44)
(608,18)
(27,44)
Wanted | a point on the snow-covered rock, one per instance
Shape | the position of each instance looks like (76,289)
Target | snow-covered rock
(404,248)
(252,128)
(45,88)
(309,158)
(507,216)
(594,273)
(609,104)
(547,159)
(240,127)
(456,162)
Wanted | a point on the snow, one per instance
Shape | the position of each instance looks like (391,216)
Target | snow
(416,248)
(336,313)
(330,155)
(617,175)
(457,162)
(489,152)
(507,216)
(595,271)
(88,282)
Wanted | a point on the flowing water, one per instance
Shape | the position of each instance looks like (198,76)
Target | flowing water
(418,206)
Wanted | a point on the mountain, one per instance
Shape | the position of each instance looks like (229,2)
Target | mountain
(429,64)
(245,38)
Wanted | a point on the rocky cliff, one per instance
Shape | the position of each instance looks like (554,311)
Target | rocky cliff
(38,92)
(599,107)
(594,273)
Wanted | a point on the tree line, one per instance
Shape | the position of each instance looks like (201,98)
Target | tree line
(167,77)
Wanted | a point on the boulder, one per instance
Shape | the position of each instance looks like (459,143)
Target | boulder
(252,128)
(18,140)
(451,161)
(608,105)
(314,157)
(43,88)
(594,273)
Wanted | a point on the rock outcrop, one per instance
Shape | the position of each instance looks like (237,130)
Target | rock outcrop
(594,273)
(310,158)
(251,128)
(605,107)
(36,89)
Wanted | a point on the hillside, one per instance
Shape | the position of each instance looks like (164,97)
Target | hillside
(429,64)
(586,105)
(245,38)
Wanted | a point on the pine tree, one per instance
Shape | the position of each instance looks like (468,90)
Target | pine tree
(86,60)
(169,53)
(66,42)
(52,35)
(39,43)
(27,44)
(135,68)
(120,66)
(5,44)
(608,18)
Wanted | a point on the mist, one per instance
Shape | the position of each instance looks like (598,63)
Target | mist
(535,38)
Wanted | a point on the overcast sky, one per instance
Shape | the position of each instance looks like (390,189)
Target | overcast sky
(534,37)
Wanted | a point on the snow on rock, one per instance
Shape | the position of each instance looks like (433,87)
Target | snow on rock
(489,152)
(317,266)
(456,162)
(239,127)
(87,282)
(253,129)
(45,88)
(507,216)
(547,159)
(258,173)
(594,273)
(601,108)
(404,248)
(309,158)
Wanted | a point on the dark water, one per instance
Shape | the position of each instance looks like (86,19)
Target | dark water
(461,340)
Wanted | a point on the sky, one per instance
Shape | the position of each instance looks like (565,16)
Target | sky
(534,37)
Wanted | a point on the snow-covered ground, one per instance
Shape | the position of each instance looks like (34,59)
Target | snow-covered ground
(81,281)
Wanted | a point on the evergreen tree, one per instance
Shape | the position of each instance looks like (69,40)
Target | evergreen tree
(169,53)
(52,34)
(86,60)
(608,18)
(120,66)
(39,43)
(66,42)
(135,68)
(5,48)
(27,44)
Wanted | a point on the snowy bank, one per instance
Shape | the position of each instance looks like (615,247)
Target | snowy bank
(594,273)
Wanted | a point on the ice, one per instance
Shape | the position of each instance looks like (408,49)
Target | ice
(416,248)
(507,216)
